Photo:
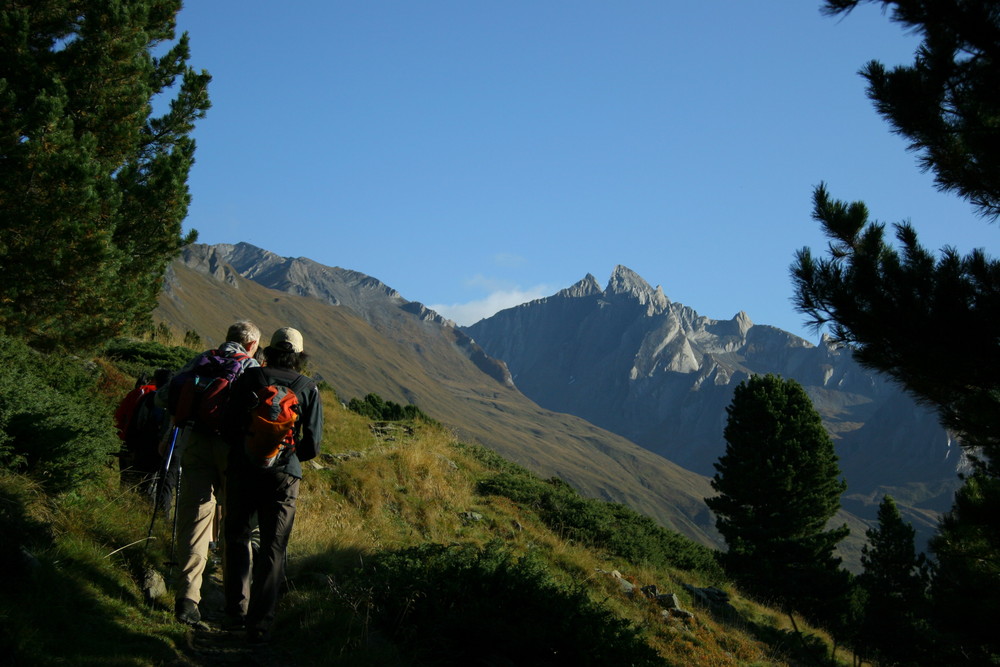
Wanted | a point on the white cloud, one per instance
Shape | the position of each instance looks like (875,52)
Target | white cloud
(471,312)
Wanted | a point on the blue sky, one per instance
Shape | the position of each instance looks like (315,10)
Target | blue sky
(476,154)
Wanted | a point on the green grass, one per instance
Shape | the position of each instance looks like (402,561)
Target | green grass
(68,599)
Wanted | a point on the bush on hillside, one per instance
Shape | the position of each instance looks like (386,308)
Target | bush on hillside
(135,357)
(611,526)
(54,426)
(375,407)
(462,605)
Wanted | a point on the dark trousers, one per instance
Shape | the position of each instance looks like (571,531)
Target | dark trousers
(272,497)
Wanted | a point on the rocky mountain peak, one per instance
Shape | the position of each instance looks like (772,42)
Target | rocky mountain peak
(627,283)
(586,287)
(743,321)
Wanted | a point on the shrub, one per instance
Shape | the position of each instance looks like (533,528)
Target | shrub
(54,426)
(374,407)
(137,357)
(463,605)
(192,339)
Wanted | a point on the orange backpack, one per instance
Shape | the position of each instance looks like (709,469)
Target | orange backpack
(274,425)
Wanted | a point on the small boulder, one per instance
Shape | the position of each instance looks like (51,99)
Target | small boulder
(153,585)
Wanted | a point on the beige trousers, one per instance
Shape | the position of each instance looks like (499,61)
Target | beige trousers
(203,467)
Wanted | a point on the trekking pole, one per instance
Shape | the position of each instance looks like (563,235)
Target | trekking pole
(161,478)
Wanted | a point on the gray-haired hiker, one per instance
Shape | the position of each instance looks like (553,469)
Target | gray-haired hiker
(275,420)
(196,398)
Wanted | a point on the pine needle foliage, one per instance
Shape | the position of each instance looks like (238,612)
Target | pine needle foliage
(93,184)
(946,104)
(894,302)
(898,307)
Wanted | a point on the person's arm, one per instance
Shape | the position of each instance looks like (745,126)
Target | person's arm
(312,425)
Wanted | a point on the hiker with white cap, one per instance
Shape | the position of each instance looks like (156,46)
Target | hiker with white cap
(274,421)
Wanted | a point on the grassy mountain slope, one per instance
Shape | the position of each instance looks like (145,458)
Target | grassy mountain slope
(410,548)
(419,365)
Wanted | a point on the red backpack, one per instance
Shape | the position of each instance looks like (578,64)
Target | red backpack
(273,427)
(198,395)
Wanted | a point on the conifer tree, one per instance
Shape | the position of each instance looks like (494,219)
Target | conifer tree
(965,588)
(779,485)
(93,184)
(898,306)
(894,624)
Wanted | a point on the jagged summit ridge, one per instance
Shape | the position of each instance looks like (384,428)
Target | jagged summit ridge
(624,284)
(588,286)
(365,295)
(664,336)
(370,299)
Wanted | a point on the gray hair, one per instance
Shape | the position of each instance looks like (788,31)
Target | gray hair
(243,332)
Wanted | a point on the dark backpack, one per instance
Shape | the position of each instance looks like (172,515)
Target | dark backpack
(147,425)
(273,424)
(198,395)
(125,412)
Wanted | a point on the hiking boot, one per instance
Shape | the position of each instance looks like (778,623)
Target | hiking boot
(186,611)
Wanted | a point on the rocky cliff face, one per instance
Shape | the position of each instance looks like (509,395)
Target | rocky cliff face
(628,359)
